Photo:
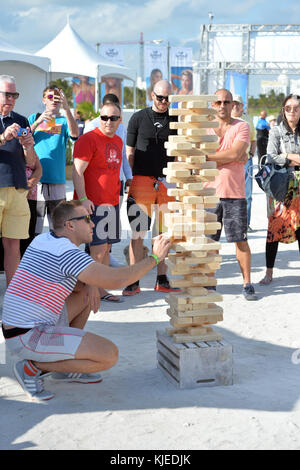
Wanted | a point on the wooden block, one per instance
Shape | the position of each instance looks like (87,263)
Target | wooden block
(183,145)
(185,139)
(199,118)
(184,338)
(202,311)
(201,124)
(177,173)
(196,364)
(209,172)
(191,98)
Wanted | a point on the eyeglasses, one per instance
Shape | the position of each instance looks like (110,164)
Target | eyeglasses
(112,118)
(86,218)
(8,94)
(161,98)
(225,102)
(291,109)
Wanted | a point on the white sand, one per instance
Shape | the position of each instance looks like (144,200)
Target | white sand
(135,407)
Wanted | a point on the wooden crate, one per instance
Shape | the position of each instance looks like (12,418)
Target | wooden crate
(193,365)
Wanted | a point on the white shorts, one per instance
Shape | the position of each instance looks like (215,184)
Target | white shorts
(47,343)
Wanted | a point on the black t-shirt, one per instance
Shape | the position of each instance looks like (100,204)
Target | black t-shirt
(147,131)
(12,160)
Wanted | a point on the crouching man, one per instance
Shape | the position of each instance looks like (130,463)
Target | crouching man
(45,308)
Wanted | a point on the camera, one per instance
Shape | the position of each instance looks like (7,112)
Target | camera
(22,132)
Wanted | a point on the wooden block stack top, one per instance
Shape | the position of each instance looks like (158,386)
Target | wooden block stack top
(193,310)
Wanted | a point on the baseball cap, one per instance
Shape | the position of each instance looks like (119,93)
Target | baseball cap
(238,98)
(271,118)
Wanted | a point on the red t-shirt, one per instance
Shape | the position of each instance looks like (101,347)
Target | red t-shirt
(102,176)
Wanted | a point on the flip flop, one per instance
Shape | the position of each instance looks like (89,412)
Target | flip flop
(108,298)
(266,280)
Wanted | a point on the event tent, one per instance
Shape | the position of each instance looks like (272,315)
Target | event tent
(70,55)
(30,72)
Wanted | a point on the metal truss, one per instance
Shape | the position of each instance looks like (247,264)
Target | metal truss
(216,71)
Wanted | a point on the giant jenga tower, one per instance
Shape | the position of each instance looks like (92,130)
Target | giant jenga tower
(193,310)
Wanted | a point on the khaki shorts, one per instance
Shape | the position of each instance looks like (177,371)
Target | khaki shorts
(14,213)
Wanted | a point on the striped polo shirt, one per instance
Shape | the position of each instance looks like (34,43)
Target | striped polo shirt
(46,276)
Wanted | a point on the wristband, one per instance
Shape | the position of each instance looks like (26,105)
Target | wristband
(155,257)
(83,199)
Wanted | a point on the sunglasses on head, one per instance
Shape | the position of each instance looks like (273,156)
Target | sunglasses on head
(112,118)
(161,98)
(8,94)
(86,218)
(225,102)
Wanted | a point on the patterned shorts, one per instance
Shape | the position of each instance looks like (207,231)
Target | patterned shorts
(232,214)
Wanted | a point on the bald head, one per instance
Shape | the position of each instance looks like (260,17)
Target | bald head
(263,114)
(163,87)
(160,96)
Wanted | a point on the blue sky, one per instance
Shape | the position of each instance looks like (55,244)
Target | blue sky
(31,24)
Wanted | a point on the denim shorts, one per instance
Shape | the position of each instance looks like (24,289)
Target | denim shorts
(232,214)
(107,225)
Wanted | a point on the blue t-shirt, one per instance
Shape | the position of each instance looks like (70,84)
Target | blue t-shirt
(50,145)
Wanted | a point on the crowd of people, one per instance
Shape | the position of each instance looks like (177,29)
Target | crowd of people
(52,283)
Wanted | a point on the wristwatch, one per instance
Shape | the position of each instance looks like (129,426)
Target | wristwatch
(2,139)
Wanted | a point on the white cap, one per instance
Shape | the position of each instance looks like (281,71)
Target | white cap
(237,98)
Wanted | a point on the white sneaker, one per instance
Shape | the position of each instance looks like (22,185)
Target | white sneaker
(76,377)
(32,384)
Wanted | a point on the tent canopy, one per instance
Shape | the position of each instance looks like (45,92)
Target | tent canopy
(11,53)
(71,55)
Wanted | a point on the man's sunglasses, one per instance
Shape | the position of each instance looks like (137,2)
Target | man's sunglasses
(51,97)
(161,98)
(86,218)
(218,103)
(112,118)
(8,94)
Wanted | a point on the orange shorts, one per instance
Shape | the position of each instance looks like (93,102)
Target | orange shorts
(147,195)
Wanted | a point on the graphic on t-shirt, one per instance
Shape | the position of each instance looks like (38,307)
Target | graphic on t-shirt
(49,127)
(112,156)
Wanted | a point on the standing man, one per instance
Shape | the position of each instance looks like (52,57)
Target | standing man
(15,152)
(125,170)
(51,132)
(147,132)
(234,137)
(238,112)
(96,176)
(45,309)
(262,135)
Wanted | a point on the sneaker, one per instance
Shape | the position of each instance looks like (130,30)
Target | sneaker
(76,377)
(249,292)
(132,289)
(164,286)
(29,377)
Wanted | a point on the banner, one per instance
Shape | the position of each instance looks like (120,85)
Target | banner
(237,83)
(181,62)
(112,53)
(156,68)
(112,85)
(83,90)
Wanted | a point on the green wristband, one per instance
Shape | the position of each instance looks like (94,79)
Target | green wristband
(155,257)
(83,199)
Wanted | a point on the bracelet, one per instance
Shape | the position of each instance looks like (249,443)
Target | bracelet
(83,199)
(155,257)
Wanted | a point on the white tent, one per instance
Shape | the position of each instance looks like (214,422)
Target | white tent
(30,72)
(70,56)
